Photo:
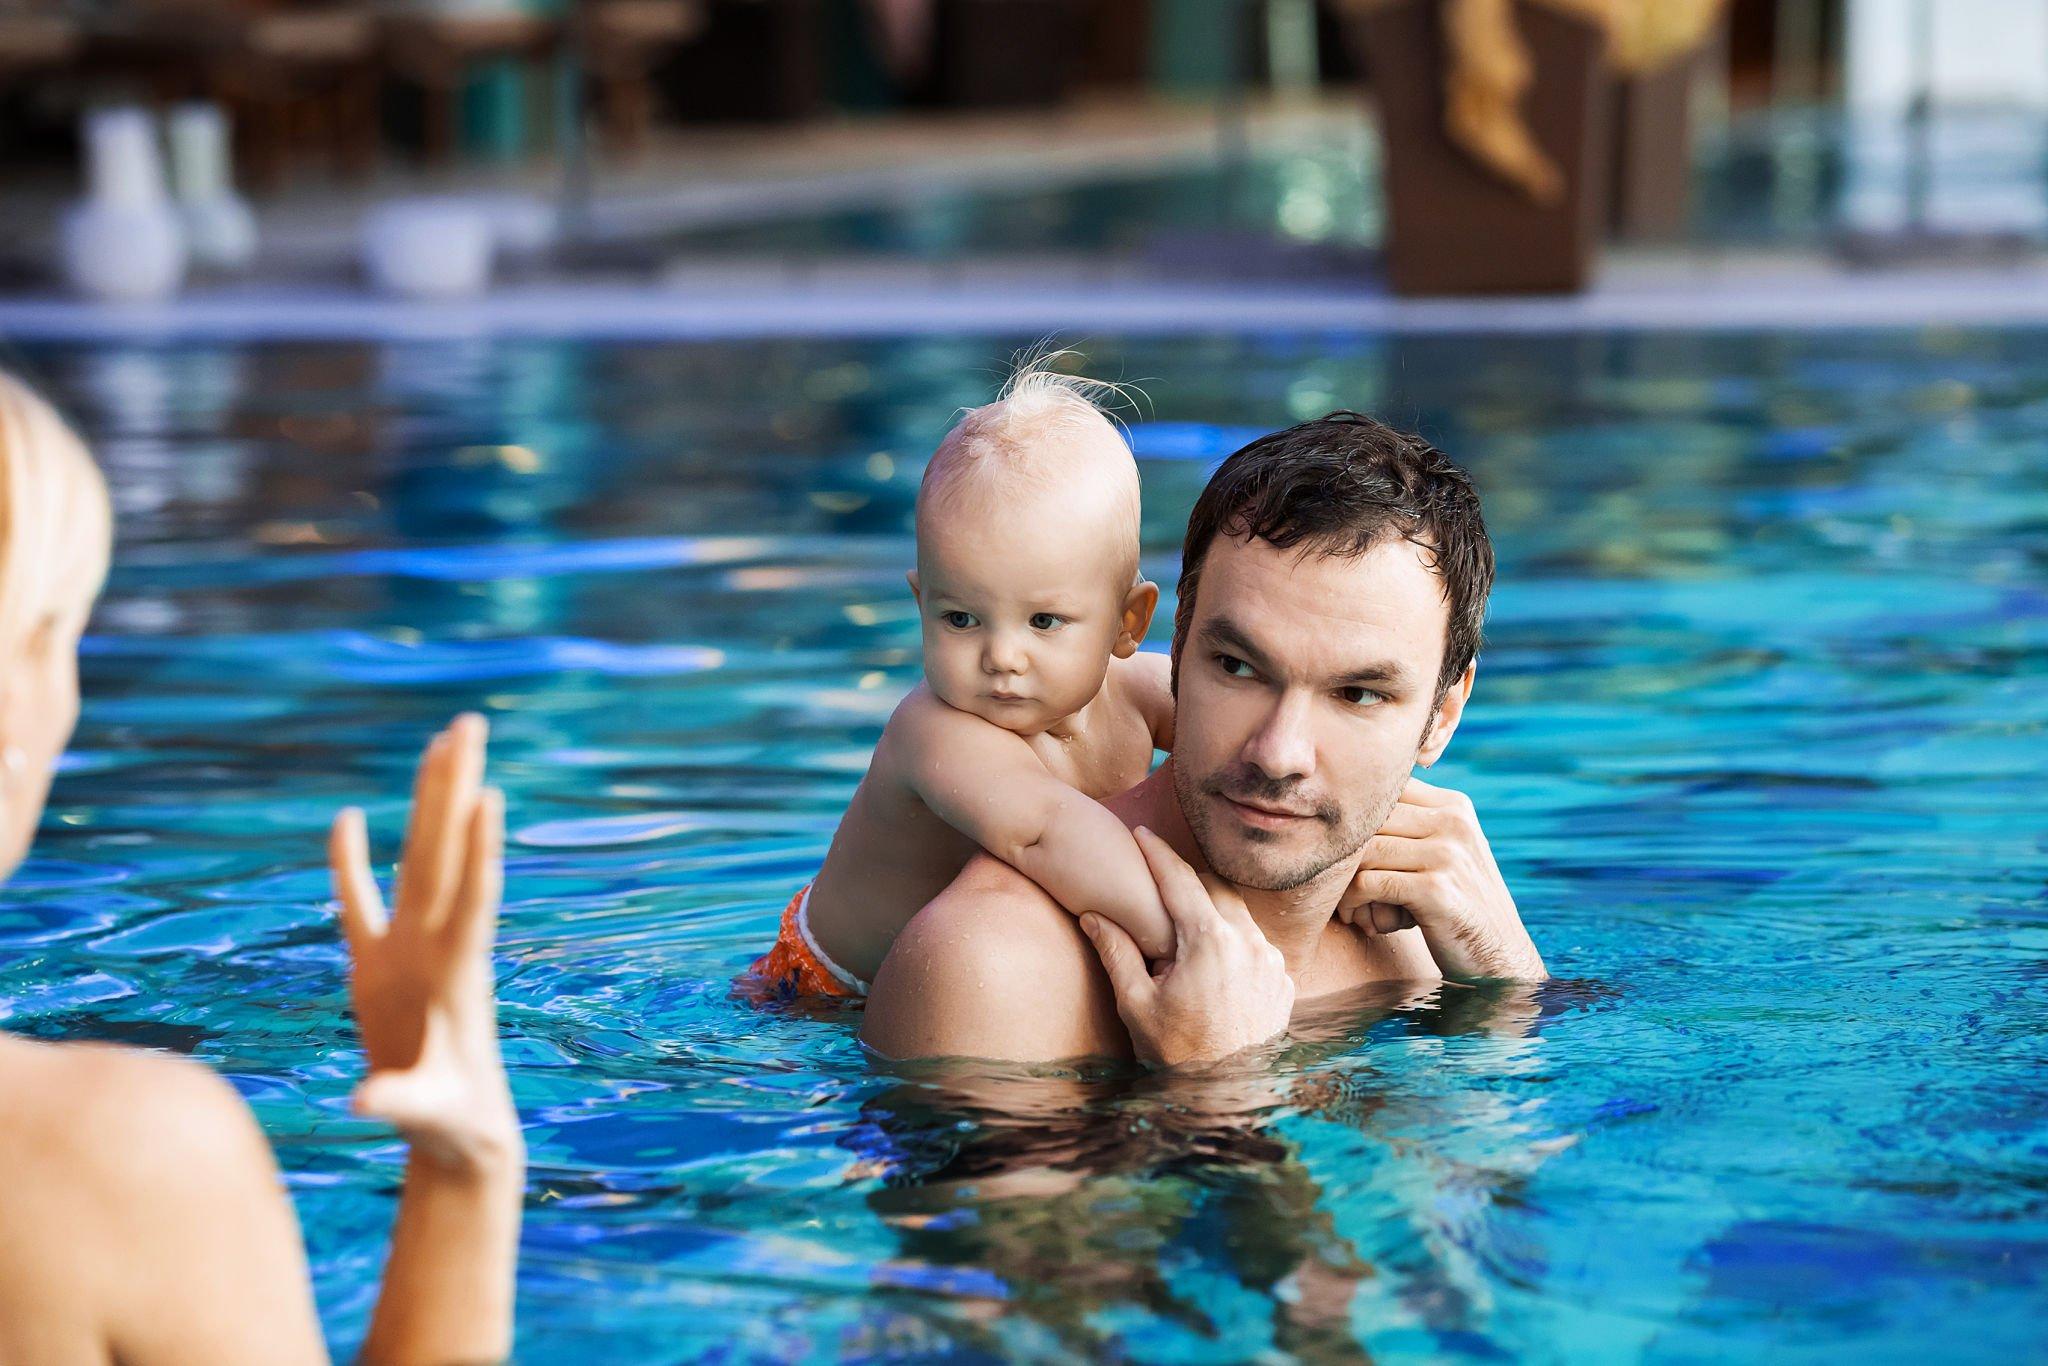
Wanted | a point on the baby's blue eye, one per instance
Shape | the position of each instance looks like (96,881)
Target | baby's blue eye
(959,621)
(1046,621)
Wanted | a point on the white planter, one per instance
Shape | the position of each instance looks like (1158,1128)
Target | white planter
(124,253)
(220,228)
(428,248)
(123,242)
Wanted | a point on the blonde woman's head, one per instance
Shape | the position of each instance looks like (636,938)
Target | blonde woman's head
(56,531)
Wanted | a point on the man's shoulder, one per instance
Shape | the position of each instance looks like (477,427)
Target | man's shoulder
(992,968)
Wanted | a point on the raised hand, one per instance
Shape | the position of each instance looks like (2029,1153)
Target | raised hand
(421,977)
(1430,867)
(1224,990)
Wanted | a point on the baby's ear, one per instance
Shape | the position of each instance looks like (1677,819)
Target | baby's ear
(1139,605)
(915,595)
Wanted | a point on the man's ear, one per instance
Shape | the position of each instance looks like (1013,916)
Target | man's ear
(1139,605)
(915,596)
(1449,713)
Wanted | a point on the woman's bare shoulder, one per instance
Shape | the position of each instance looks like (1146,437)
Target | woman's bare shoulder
(113,1123)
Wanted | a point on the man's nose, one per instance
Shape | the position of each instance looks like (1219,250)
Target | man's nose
(1003,654)
(1284,745)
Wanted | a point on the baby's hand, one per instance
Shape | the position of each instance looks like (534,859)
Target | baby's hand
(1152,931)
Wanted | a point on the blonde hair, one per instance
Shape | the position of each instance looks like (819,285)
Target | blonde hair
(56,525)
(1013,445)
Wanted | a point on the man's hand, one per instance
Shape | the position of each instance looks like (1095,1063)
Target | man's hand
(1430,867)
(1224,990)
(421,979)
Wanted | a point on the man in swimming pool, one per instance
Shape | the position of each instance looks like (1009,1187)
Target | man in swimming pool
(1333,583)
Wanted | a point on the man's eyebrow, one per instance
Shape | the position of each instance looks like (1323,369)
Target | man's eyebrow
(1227,634)
(1383,671)
(1222,631)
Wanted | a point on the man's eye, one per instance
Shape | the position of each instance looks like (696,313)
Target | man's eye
(959,621)
(1046,621)
(1360,697)
(1233,666)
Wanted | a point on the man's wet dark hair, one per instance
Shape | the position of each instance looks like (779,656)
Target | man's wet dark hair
(1340,485)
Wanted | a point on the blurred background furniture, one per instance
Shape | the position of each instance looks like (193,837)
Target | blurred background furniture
(35,38)
(1455,226)
(1006,53)
(437,49)
(753,60)
(618,43)
(298,77)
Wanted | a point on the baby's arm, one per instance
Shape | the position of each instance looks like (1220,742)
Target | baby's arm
(986,783)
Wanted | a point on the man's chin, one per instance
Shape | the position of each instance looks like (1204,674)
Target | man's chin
(1257,861)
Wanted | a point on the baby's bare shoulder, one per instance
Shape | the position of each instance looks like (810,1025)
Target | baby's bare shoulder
(1143,685)
(924,732)
(1146,674)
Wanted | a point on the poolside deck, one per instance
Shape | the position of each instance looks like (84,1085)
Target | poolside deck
(638,266)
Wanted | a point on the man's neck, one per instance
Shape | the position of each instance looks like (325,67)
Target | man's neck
(1294,921)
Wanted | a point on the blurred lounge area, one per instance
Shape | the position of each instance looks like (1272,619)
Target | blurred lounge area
(1428,147)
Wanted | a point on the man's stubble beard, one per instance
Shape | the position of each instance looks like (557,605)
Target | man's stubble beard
(1243,866)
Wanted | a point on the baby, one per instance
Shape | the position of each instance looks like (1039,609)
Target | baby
(1035,701)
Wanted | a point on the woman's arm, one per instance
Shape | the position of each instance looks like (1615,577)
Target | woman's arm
(424,1002)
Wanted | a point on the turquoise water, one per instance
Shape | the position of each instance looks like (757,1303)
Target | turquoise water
(1759,740)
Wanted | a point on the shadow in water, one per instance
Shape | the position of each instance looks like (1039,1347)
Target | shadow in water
(1088,1189)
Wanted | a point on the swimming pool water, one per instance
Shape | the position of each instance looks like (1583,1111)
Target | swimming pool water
(1759,740)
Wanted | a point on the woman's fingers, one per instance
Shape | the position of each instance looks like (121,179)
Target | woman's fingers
(473,921)
(355,888)
(1187,903)
(450,777)
(422,815)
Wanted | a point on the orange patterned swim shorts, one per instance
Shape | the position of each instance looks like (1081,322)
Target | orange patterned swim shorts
(796,966)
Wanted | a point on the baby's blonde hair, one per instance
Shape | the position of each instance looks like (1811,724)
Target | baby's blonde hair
(1013,445)
(56,525)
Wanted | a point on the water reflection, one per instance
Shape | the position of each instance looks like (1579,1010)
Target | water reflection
(1758,735)
(1087,1192)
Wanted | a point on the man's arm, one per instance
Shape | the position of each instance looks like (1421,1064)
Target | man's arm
(989,785)
(992,968)
(1431,868)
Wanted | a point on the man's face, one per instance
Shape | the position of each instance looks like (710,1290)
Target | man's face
(1306,691)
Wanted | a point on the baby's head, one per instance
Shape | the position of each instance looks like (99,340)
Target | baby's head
(1027,554)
